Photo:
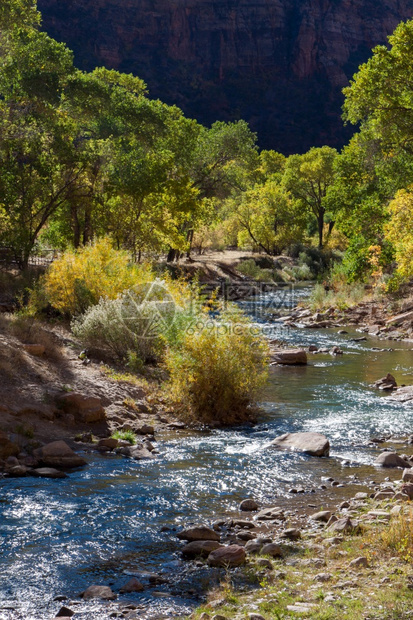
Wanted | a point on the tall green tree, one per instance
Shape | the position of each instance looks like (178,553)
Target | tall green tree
(307,177)
(269,218)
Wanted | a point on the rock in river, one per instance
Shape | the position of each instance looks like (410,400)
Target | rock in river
(313,444)
(198,548)
(390,459)
(103,592)
(290,357)
(198,532)
(48,472)
(58,454)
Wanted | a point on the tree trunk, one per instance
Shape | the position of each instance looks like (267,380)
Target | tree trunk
(320,221)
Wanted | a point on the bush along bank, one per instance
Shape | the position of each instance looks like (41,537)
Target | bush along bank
(214,359)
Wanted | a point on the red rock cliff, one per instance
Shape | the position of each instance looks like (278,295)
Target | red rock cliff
(280,64)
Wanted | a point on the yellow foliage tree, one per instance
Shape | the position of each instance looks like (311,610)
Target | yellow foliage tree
(399,231)
(78,279)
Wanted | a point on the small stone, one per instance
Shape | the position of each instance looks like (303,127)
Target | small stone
(198,548)
(198,532)
(292,533)
(407,489)
(344,505)
(323,577)
(273,550)
(360,562)
(323,515)
(269,514)
(253,547)
(342,525)
(230,556)
(391,459)
(248,505)
(407,475)
(110,442)
(361,496)
(102,592)
(254,616)
(65,612)
(133,585)
(264,563)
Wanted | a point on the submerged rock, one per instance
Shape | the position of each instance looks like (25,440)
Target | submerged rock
(48,472)
(314,444)
(133,585)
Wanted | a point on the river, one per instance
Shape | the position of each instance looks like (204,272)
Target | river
(110,520)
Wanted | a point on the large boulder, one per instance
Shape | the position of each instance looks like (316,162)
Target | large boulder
(290,357)
(198,548)
(314,444)
(227,557)
(391,459)
(58,454)
(7,447)
(198,532)
(85,409)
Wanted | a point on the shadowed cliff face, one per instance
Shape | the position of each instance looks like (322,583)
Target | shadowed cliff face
(279,64)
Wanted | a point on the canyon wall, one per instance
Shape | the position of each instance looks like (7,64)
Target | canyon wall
(279,64)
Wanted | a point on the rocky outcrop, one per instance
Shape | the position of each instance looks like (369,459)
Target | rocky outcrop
(279,65)
(314,444)
(84,408)
(7,447)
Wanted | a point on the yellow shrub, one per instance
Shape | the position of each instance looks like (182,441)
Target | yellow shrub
(399,535)
(217,371)
(80,278)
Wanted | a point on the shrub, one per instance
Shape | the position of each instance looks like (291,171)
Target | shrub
(399,535)
(125,436)
(259,272)
(80,278)
(217,371)
(135,327)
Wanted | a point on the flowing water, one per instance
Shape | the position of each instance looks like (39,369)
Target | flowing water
(105,522)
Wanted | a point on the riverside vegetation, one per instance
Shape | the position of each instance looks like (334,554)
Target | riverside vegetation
(112,182)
